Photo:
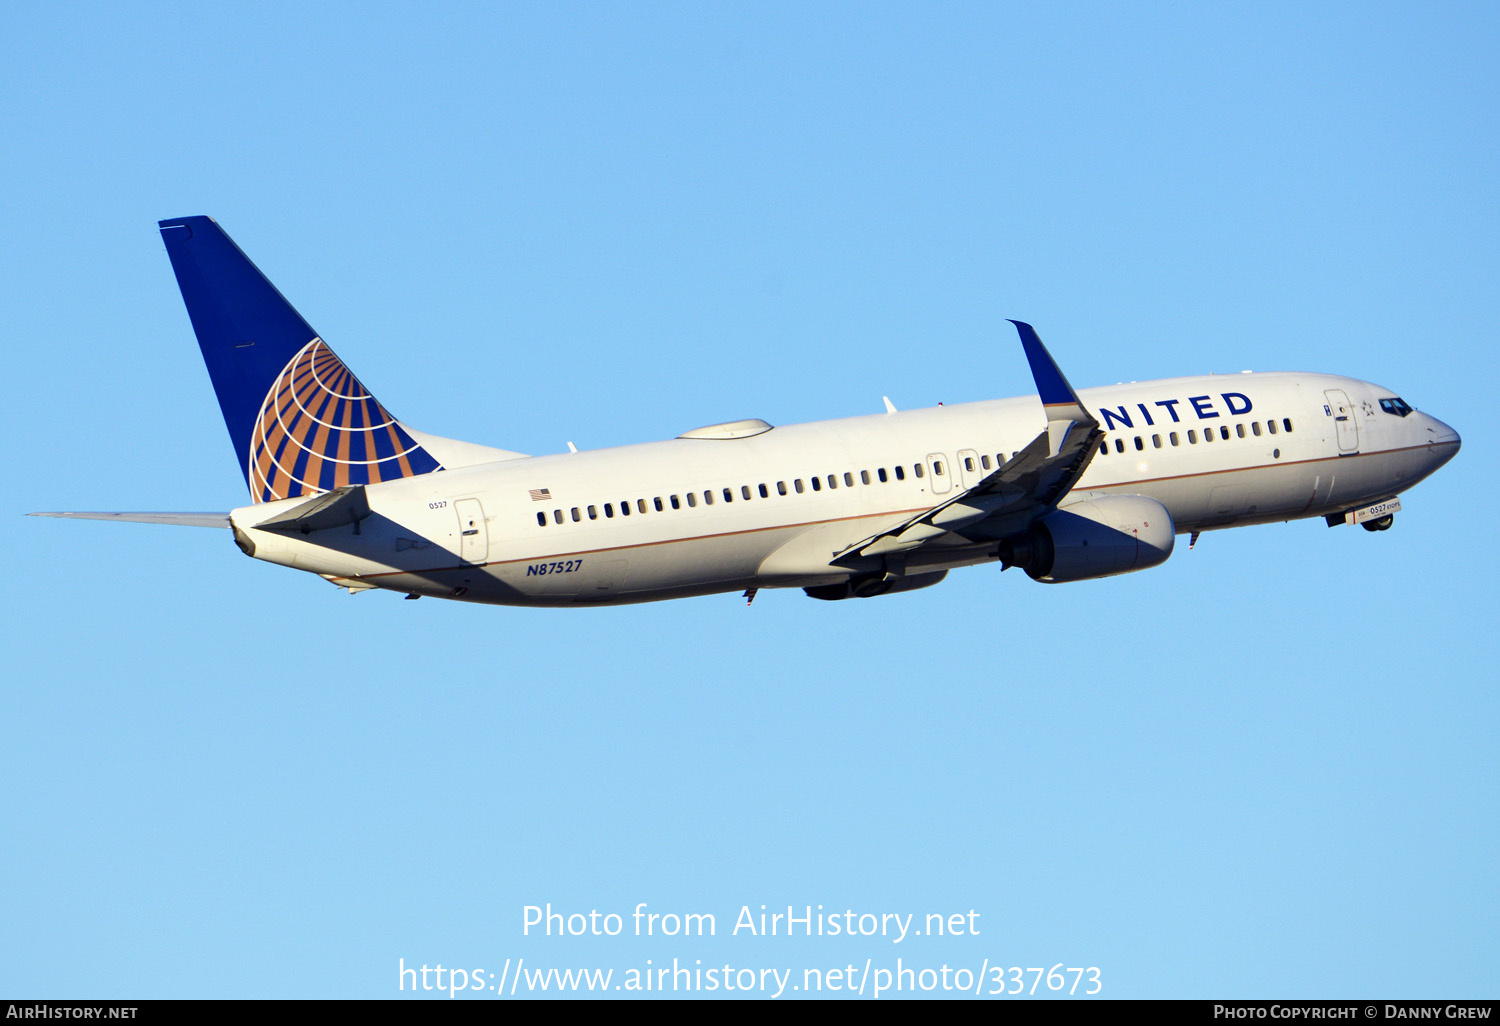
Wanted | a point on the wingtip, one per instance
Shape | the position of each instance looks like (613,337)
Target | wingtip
(1051,384)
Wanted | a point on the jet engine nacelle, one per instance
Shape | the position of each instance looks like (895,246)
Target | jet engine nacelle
(869,587)
(1115,534)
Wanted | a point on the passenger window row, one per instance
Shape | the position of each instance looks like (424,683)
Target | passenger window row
(1223,433)
(798,486)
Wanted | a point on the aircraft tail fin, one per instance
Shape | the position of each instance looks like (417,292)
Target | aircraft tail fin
(301,423)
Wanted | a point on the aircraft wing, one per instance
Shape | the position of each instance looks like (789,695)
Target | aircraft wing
(1023,488)
(176,519)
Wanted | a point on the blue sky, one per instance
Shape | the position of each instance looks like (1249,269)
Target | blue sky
(1266,768)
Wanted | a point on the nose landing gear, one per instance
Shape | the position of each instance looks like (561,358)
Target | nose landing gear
(1376,517)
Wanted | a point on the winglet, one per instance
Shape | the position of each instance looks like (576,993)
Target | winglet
(1058,398)
(1051,385)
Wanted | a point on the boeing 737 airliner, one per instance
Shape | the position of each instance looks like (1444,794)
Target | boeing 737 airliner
(1065,485)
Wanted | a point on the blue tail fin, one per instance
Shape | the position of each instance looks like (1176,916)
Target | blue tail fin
(301,423)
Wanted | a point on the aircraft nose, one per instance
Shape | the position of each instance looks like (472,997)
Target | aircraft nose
(1443,434)
(1442,440)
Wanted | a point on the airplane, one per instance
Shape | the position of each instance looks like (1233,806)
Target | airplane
(1065,485)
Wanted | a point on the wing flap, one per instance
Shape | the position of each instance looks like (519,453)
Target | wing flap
(1024,487)
(1021,489)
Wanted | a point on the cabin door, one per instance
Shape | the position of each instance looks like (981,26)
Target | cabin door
(473,535)
(1343,420)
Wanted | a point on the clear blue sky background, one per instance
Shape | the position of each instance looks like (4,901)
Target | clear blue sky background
(1267,768)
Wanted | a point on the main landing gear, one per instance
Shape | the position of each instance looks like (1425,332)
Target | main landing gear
(1380,523)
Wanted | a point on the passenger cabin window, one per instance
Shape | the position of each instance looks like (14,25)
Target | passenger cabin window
(1239,429)
(708,498)
(1156,441)
(541,519)
(1286,422)
(984,461)
(745,492)
(1255,428)
(1139,445)
(848,480)
(833,480)
(657,503)
(692,500)
(968,463)
(918,468)
(900,472)
(817,485)
(1119,445)
(765,493)
(797,484)
(1271,426)
(1172,437)
(576,517)
(609,510)
(676,504)
(593,512)
(1192,436)
(1103,448)
(1224,432)
(881,474)
(729,495)
(864,477)
(557,516)
(780,487)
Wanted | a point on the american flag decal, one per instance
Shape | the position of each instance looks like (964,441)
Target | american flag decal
(538,494)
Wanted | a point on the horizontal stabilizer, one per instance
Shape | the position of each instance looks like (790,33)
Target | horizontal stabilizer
(175,519)
(338,508)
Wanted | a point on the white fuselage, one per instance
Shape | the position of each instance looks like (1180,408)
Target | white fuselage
(700,515)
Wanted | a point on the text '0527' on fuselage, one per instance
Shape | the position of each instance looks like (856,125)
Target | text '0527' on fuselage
(1066,485)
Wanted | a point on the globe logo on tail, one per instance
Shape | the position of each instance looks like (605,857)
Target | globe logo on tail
(320,429)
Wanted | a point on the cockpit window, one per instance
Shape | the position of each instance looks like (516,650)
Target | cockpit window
(1395,406)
